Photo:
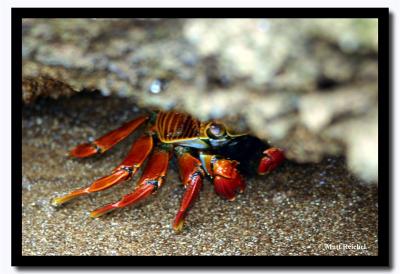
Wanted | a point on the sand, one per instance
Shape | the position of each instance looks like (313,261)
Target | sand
(297,210)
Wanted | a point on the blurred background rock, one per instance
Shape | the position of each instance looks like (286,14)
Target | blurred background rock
(309,86)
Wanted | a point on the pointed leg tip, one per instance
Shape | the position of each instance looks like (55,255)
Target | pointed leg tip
(101,211)
(72,154)
(179,221)
(70,196)
(59,201)
(95,214)
(56,202)
(83,151)
(178,226)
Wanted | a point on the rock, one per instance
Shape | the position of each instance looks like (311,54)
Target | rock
(305,85)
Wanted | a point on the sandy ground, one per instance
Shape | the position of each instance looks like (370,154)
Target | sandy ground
(297,210)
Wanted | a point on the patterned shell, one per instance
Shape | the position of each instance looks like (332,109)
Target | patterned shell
(175,127)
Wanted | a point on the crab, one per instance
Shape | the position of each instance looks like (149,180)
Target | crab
(192,141)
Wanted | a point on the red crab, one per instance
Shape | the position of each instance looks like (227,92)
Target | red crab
(192,141)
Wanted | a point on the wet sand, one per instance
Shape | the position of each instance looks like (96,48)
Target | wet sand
(297,210)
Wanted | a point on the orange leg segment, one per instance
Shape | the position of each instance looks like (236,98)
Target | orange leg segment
(129,166)
(109,140)
(152,178)
(192,178)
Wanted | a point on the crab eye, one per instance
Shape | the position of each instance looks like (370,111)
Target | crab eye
(216,131)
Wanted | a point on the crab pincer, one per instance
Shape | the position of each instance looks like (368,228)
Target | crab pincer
(227,180)
(224,174)
(272,158)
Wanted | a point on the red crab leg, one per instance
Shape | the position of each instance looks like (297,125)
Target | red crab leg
(124,171)
(272,158)
(226,178)
(192,178)
(151,180)
(109,140)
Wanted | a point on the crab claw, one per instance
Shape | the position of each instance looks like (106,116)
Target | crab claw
(227,180)
(273,157)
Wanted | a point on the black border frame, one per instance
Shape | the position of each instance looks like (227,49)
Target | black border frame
(383,258)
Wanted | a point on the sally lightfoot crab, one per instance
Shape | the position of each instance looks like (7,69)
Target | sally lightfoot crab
(193,142)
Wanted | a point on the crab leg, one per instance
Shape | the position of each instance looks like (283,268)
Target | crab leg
(226,178)
(192,177)
(109,140)
(124,171)
(151,180)
(273,157)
